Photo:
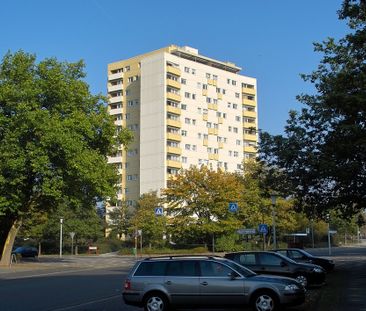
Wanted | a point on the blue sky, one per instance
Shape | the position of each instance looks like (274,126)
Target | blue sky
(271,40)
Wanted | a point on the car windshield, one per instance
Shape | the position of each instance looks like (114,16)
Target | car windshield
(286,258)
(242,270)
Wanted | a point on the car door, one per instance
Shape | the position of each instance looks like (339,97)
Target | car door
(182,282)
(218,286)
(271,263)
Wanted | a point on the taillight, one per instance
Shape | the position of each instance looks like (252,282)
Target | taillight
(127,284)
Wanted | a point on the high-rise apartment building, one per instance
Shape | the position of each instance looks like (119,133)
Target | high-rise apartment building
(184,109)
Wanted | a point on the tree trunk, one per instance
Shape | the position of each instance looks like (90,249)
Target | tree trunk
(9,242)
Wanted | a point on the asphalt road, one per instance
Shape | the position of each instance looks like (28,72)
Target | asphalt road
(95,283)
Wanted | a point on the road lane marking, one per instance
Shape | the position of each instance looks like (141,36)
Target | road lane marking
(88,303)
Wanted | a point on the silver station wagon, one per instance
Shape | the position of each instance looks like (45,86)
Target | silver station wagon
(203,281)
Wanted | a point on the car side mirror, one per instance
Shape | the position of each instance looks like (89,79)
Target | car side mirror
(283,264)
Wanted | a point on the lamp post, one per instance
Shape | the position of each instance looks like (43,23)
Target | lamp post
(61,222)
(273,199)
(329,242)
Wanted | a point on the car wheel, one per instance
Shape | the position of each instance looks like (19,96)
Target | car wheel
(155,302)
(265,301)
(302,279)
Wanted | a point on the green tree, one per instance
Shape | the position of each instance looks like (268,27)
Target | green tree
(54,141)
(323,151)
(119,219)
(153,227)
(198,200)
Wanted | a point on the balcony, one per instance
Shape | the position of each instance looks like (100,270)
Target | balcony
(250,137)
(118,122)
(250,149)
(174,123)
(220,120)
(212,82)
(213,131)
(219,96)
(213,156)
(115,76)
(112,160)
(175,150)
(175,164)
(115,99)
(172,136)
(249,102)
(117,87)
(212,106)
(204,92)
(247,90)
(115,111)
(251,114)
(221,145)
(249,124)
(205,117)
(173,70)
(174,110)
(173,83)
(205,142)
(173,96)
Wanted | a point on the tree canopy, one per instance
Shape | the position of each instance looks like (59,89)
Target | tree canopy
(54,140)
(322,155)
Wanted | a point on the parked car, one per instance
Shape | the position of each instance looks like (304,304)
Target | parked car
(277,264)
(204,281)
(25,251)
(299,255)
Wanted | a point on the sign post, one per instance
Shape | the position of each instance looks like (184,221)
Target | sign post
(72,235)
(263,228)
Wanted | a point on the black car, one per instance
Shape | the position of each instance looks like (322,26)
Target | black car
(26,251)
(277,264)
(299,255)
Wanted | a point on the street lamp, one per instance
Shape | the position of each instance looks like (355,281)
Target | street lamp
(273,199)
(61,222)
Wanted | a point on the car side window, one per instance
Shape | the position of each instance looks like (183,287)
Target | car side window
(247,259)
(283,252)
(151,269)
(270,259)
(296,255)
(214,269)
(182,268)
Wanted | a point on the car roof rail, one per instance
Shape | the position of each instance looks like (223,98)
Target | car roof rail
(182,256)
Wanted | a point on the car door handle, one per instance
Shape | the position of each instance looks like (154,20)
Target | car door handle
(168,282)
(204,283)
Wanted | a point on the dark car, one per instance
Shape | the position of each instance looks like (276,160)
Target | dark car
(159,283)
(299,255)
(26,251)
(277,264)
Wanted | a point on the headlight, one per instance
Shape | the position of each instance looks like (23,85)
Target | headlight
(318,270)
(291,287)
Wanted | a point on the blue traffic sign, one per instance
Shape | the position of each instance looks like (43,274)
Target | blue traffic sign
(233,207)
(263,228)
(159,211)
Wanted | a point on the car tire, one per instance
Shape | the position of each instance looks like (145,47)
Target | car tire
(302,279)
(155,302)
(265,301)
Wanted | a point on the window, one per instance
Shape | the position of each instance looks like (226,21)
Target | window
(237,95)
(183,268)
(151,269)
(187,147)
(184,159)
(238,142)
(208,75)
(228,81)
(235,106)
(214,77)
(194,121)
(193,96)
(204,86)
(210,268)
(246,259)
(236,154)
(183,106)
(269,259)
(233,82)
(235,129)
(237,118)
(130,79)
(184,133)
(187,121)
(183,81)
(194,147)
(193,71)
(187,95)
(127,116)
(127,68)
(229,128)
(186,69)
(128,92)
(208,100)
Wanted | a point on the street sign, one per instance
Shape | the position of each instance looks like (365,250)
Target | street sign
(263,228)
(332,231)
(233,207)
(159,211)
(72,234)
(246,231)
